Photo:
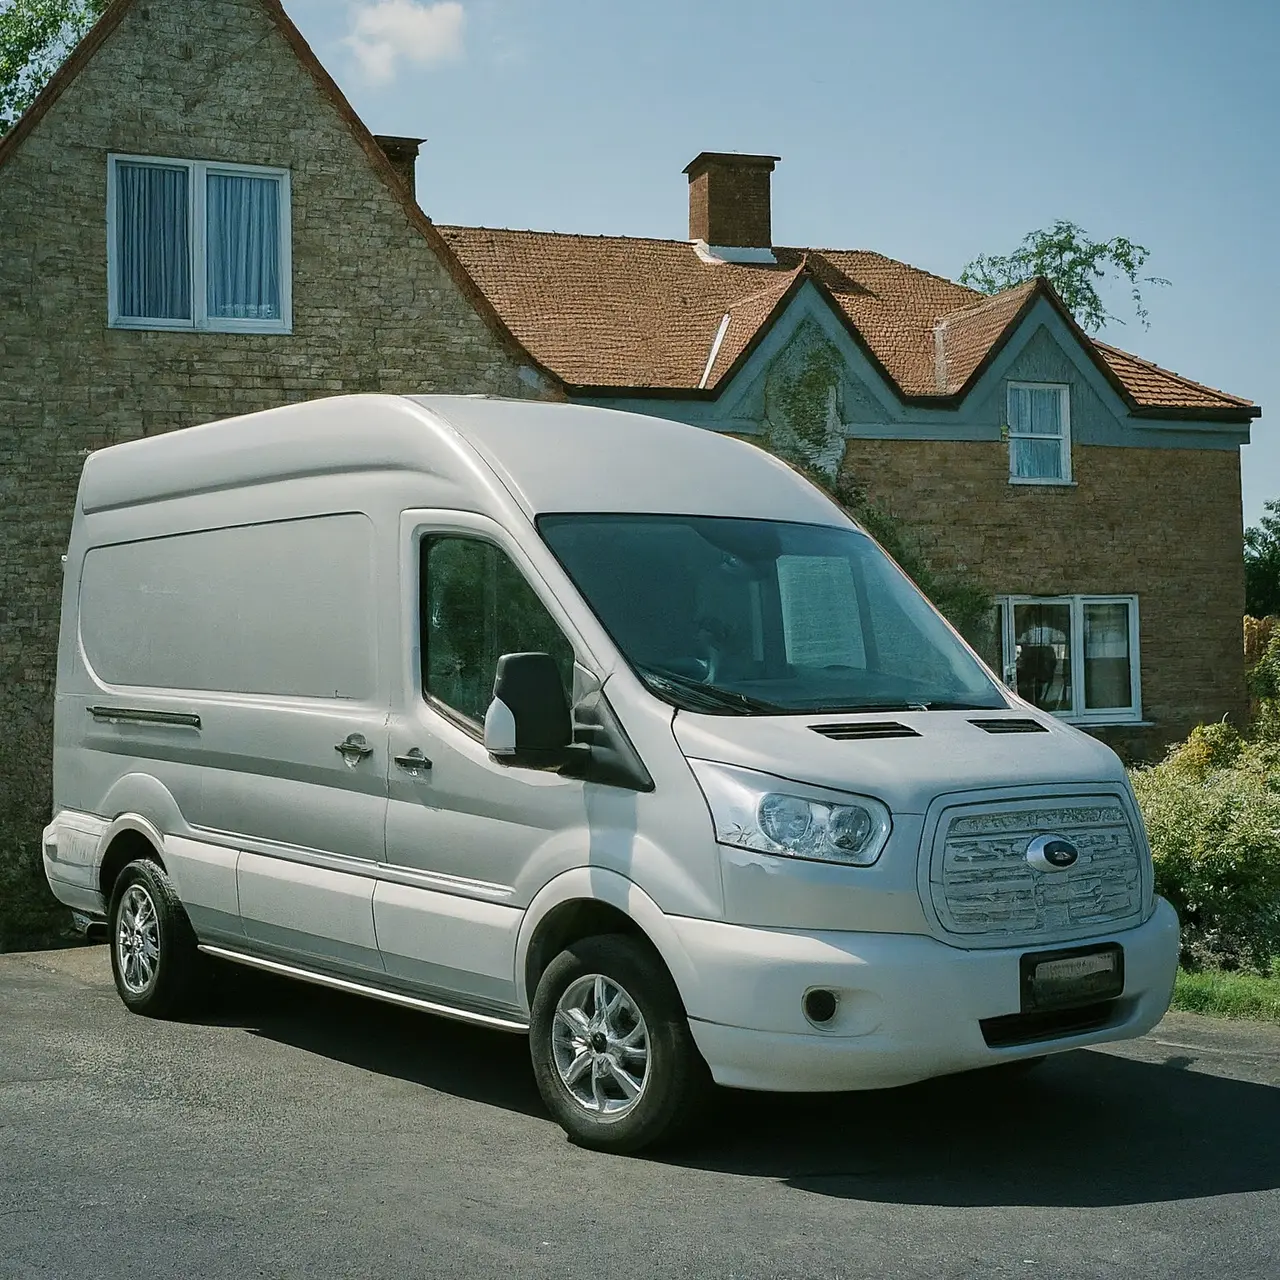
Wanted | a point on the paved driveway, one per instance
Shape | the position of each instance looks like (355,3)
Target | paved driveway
(297,1132)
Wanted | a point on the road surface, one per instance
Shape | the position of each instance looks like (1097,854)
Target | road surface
(296,1132)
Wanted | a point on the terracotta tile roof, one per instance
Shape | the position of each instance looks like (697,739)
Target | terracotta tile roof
(612,311)
(629,314)
(893,308)
(967,336)
(1154,387)
(748,317)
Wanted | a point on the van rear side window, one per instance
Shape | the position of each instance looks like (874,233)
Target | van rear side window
(285,608)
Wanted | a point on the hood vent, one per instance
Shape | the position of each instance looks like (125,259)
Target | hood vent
(1010,726)
(856,732)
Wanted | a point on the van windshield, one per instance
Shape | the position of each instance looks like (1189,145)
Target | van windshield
(761,617)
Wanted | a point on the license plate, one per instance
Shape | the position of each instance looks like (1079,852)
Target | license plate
(1063,979)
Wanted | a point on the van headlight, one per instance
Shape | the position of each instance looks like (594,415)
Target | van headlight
(771,815)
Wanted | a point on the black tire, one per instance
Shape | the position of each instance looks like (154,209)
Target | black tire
(676,1080)
(175,981)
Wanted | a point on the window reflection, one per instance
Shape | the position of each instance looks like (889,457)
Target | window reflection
(1043,637)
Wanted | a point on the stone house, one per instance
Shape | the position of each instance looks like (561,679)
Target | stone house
(1093,494)
(193,224)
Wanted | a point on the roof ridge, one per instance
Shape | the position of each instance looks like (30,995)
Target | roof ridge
(1169,373)
(565,235)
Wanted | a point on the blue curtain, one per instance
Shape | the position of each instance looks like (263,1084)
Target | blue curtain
(243,247)
(153,252)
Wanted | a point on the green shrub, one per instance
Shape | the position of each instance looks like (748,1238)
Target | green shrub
(1210,746)
(1262,666)
(1264,674)
(1212,810)
(1229,995)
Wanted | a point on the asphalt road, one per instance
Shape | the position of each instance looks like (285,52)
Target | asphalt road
(299,1133)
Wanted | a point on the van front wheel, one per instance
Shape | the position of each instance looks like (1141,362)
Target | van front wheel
(611,1048)
(153,947)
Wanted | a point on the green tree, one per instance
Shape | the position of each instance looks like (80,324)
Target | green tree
(1262,564)
(35,38)
(1074,264)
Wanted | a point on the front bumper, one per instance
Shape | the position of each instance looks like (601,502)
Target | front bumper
(909,1008)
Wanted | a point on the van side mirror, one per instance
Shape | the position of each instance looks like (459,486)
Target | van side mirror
(528,722)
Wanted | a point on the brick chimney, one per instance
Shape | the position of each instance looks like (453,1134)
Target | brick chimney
(402,152)
(729,200)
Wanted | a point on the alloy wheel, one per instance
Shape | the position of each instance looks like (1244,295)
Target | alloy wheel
(137,939)
(601,1046)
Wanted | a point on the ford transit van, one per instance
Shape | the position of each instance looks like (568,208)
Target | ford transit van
(580,725)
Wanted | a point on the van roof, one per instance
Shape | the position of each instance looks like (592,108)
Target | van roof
(551,457)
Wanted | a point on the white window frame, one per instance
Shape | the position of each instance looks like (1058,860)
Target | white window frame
(197,230)
(1064,393)
(1079,713)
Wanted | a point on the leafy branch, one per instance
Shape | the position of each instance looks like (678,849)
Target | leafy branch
(1262,564)
(1075,265)
(35,38)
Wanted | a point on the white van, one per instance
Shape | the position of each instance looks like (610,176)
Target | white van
(582,725)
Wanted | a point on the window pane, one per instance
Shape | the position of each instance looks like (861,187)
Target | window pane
(1042,636)
(1035,459)
(1107,674)
(1035,411)
(153,253)
(1007,665)
(1020,410)
(244,247)
(477,608)
(1046,411)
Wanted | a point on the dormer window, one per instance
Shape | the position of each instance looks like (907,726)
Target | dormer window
(1039,421)
(197,245)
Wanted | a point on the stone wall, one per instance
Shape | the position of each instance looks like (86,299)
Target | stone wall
(1162,523)
(374,309)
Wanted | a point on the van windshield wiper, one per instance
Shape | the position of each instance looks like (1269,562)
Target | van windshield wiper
(706,697)
(906,704)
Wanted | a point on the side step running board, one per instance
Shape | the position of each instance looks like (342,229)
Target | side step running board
(360,989)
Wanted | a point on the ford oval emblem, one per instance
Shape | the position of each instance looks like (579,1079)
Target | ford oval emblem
(1052,853)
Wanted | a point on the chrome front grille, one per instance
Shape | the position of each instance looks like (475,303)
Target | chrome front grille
(984,889)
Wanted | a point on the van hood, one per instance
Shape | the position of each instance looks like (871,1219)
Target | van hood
(905,759)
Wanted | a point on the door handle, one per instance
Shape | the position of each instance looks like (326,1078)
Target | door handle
(354,749)
(413,762)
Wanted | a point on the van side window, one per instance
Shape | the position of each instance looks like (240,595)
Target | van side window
(476,606)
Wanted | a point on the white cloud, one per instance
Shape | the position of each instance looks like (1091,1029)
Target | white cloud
(386,32)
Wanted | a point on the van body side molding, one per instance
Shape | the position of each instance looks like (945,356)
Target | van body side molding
(363,989)
(144,715)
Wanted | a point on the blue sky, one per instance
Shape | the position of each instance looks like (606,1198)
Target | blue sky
(929,130)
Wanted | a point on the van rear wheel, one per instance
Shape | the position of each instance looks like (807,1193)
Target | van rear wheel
(611,1048)
(153,948)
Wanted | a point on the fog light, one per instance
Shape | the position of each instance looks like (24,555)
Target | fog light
(820,1006)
